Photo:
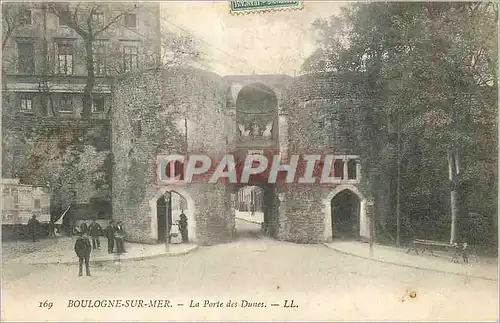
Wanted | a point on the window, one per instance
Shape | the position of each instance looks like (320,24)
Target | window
(351,169)
(65,104)
(26,103)
(338,169)
(178,170)
(98,105)
(37,204)
(98,19)
(130,58)
(64,18)
(26,57)
(100,59)
(130,20)
(24,16)
(65,58)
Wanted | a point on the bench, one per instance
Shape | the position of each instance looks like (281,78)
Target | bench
(423,245)
(431,246)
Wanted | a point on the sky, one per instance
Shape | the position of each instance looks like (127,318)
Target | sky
(260,43)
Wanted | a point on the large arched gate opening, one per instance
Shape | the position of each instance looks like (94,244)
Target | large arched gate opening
(255,209)
(255,203)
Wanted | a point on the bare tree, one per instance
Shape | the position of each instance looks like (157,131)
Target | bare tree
(181,50)
(12,18)
(83,18)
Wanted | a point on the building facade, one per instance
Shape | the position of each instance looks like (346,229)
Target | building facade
(248,199)
(45,73)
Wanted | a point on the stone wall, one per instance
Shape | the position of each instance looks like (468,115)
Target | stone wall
(149,110)
(302,212)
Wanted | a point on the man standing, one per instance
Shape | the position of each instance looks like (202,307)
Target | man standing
(33,227)
(110,235)
(183,226)
(84,227)
(83,250)
(52,228)
(119,237)
(95,232)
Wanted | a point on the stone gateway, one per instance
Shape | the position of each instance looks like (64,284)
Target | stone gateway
(161,112)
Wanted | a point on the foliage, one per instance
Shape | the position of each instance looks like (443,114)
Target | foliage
(425,71)
(65,156)
(182,49)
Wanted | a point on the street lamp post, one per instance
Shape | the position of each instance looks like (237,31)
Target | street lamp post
(371,216)
(168,200)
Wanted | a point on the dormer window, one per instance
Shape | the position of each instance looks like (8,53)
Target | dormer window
(24,16)
(130,20)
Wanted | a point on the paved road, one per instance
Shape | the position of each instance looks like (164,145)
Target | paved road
(14,249)
(248,230)
(324,284)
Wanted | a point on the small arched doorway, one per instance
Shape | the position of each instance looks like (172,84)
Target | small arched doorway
(345,210)
(169,208)
(163,216)
(167,205)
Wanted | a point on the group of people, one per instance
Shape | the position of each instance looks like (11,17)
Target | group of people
(461,250)
(114,233)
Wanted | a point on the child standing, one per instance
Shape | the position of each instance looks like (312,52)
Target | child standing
(83,250)
(465,252)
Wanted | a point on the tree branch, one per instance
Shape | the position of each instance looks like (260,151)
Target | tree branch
(6,37)
(65,16)
(75,13)
(11,25)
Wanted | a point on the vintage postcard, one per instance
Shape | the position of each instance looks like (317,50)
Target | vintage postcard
(249,161)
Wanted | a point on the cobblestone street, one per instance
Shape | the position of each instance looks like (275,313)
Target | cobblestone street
(325,285)
(14,249)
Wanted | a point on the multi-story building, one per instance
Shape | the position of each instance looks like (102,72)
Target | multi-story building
(249,198)
(45,74)
(44,59)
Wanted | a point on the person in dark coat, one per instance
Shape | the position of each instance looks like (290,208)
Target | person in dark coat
(52,228)
(95,232)
(119,237)
(33,227)
(110,235)
(84,227)
(183,226)
(83,250)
